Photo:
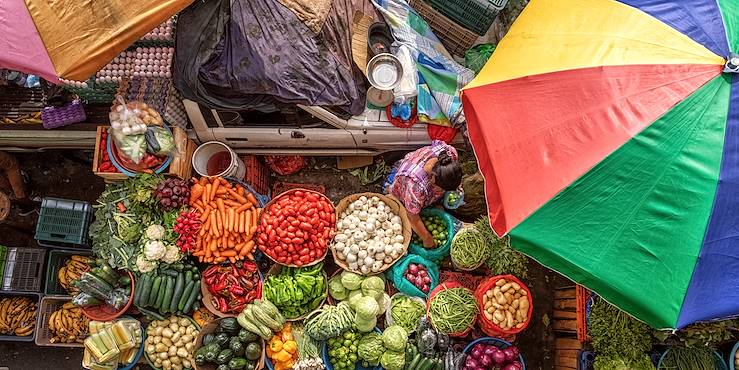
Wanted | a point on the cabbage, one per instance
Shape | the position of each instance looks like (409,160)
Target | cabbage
(393,360)
(374,287)
(395,338)
(353,297)
(384,302)
(371,348)
(351,280)
(336,289)
(365,325)
(367,308)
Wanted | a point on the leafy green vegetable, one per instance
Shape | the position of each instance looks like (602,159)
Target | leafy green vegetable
(336,289)
(371,348)
(395,338)
(351,280)
(365,325)
(503,258)
(367,308)
(710,334)
(684,358)
(476,57)
(618,335)
(393,360)
(610,362)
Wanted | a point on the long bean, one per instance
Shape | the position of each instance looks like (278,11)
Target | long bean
(469,249)
(453,310)
(679,358)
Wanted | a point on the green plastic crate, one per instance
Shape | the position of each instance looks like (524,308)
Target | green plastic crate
(474,15)
(63,223)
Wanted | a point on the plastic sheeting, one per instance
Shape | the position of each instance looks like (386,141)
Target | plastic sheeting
(256,53)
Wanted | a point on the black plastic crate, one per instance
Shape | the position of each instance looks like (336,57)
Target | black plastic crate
(63,223)
(36,298)
(474,15)
(57,259)
(24,269)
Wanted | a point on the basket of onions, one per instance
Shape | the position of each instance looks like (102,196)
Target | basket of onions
(490,353)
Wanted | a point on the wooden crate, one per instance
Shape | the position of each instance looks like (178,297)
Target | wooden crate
(566,353)
(181,165)
(582,295)
(565,310)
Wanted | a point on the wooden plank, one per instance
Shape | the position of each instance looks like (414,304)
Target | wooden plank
(566,343)
(349,162)
(565,304)
(573,353)
(565,325)
(566,362)
(569,315)
(565,294)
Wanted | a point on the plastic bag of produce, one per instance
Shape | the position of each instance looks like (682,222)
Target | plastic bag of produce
(454,359)
(159,140)
(426,338)
(132,147)
(85,300)
(399,272)
(124,120)
(441,251)
(117,298)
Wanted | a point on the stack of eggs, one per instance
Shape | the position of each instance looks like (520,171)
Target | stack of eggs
(144,61)
(163,32)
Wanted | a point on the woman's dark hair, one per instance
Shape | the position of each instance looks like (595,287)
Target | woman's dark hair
(447,171)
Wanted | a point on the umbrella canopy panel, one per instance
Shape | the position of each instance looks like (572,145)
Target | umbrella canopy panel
(606,134)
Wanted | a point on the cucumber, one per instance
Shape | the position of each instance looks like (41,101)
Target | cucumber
(185,295)
(171,273)
(167,295)
(163,287)
(194,294)
(265,319)
(179,286)
(154,291)
(188,276)
(110,275)
(424,364)
(439,365)
(415,362)
(139,291)
(145,290)
(100,273)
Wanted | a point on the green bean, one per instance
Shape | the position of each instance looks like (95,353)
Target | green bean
(406,312)
(681,358)
(469,249)
(453,310)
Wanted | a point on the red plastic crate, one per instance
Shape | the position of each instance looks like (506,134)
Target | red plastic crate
(257,174)
(582,295)
(281,187)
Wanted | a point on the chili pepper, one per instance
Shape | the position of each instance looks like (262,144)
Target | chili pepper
(222,304)
(239,308)
(240,300)
(210,279)
(220,286)
(237,290)
(210,271)
(235,270)
(232,279)
(251,296)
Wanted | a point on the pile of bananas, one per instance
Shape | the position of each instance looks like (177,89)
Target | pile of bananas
(17,316)
(68,324)
(28,119)
(73,270)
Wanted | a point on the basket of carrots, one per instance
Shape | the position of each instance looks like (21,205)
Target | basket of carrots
(229,214)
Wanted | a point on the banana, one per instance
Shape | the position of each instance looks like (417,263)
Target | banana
(52,322)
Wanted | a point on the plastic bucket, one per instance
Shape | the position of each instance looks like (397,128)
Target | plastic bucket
(210,151)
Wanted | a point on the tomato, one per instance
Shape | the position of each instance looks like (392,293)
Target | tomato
(278,249)
(333,218)
(302,218)
(322,215)
(282,259)
(268,229)
(282,234)
(299,193)
(298,263)
(295,223)
(291,249)
(314,221)
(297,240)
(311,197)
(312,254)
(310,212)
(290,235)
(306,226)
(292,229)
(303,209)
(284,225)
(304,259)
(263,238)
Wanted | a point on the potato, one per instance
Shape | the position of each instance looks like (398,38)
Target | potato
(186,364)
(515,286)
(166,363)
(172,351)
(488,315)
(175,360)
(515,303)
(182,352)
(185,322)
(176,336)
(160,347)
(509,319)
(498,315)
(187,338)
(177,367)
(500,282)
(167,333)
(182,330)
(511,310)
(189,346)
(167,342)
(163,355)
(500,298)
(158,331)
(189,329)
(523,303)
(155,340)
(520,325)
(505,287)
(174,327)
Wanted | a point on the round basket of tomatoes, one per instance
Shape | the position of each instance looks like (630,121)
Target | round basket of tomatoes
(296,228)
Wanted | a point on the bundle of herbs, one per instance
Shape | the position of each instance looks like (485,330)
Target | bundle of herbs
(503,259)
(684,358)
(620,341)
(709,334)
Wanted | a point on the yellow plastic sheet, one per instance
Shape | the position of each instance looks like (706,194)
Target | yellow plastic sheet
(82,36)
(559,35)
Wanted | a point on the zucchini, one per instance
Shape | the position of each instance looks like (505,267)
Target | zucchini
(162,290)
(439,365)
(191,299)
(188,276)
(171,273)
(145,290)
(167,295)
(155,286)
(140,288)
(151,313)
(185,295)
(425,364)
(248,325)
(98,282)
(179,286)
(110,275)
(415,362)
(100,273)
(265,319)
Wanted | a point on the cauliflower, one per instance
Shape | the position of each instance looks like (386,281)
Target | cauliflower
(145,265)
(154,250)
(172,255)
(155,232)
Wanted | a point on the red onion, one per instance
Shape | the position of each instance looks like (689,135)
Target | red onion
(498,357)
(510,354)
(413,268)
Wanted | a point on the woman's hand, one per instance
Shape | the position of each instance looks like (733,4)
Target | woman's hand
(429,242)
(420,229)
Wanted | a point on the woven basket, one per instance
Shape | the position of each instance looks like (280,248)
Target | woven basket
(266,211)
(54,117)
(468,228)
(397,208)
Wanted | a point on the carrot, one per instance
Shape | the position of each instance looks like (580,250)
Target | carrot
(199,208)
(247,222)
(219,224)
(206,194)
(242,218)
(196,192)
(203,181)
(231,203)
(217,253)
(221,206)
(250,256)
(214,222)
(250,197)
(228,253)
(206,213)
(253,230)
(232,219)
(225,182)
(255,219)
(212,192)
(236,196)
(244,207)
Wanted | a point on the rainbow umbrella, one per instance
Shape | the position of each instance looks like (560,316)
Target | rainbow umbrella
(74,39)
(608,135)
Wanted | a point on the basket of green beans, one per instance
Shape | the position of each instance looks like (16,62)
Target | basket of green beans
(686,358)
(452,309)
(470,249)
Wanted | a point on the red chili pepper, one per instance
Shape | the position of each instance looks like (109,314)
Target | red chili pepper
(236,290)
(210,271)
(222,304)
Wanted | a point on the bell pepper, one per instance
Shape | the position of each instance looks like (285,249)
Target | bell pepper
(290,346)
(275,344)
(282,356)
